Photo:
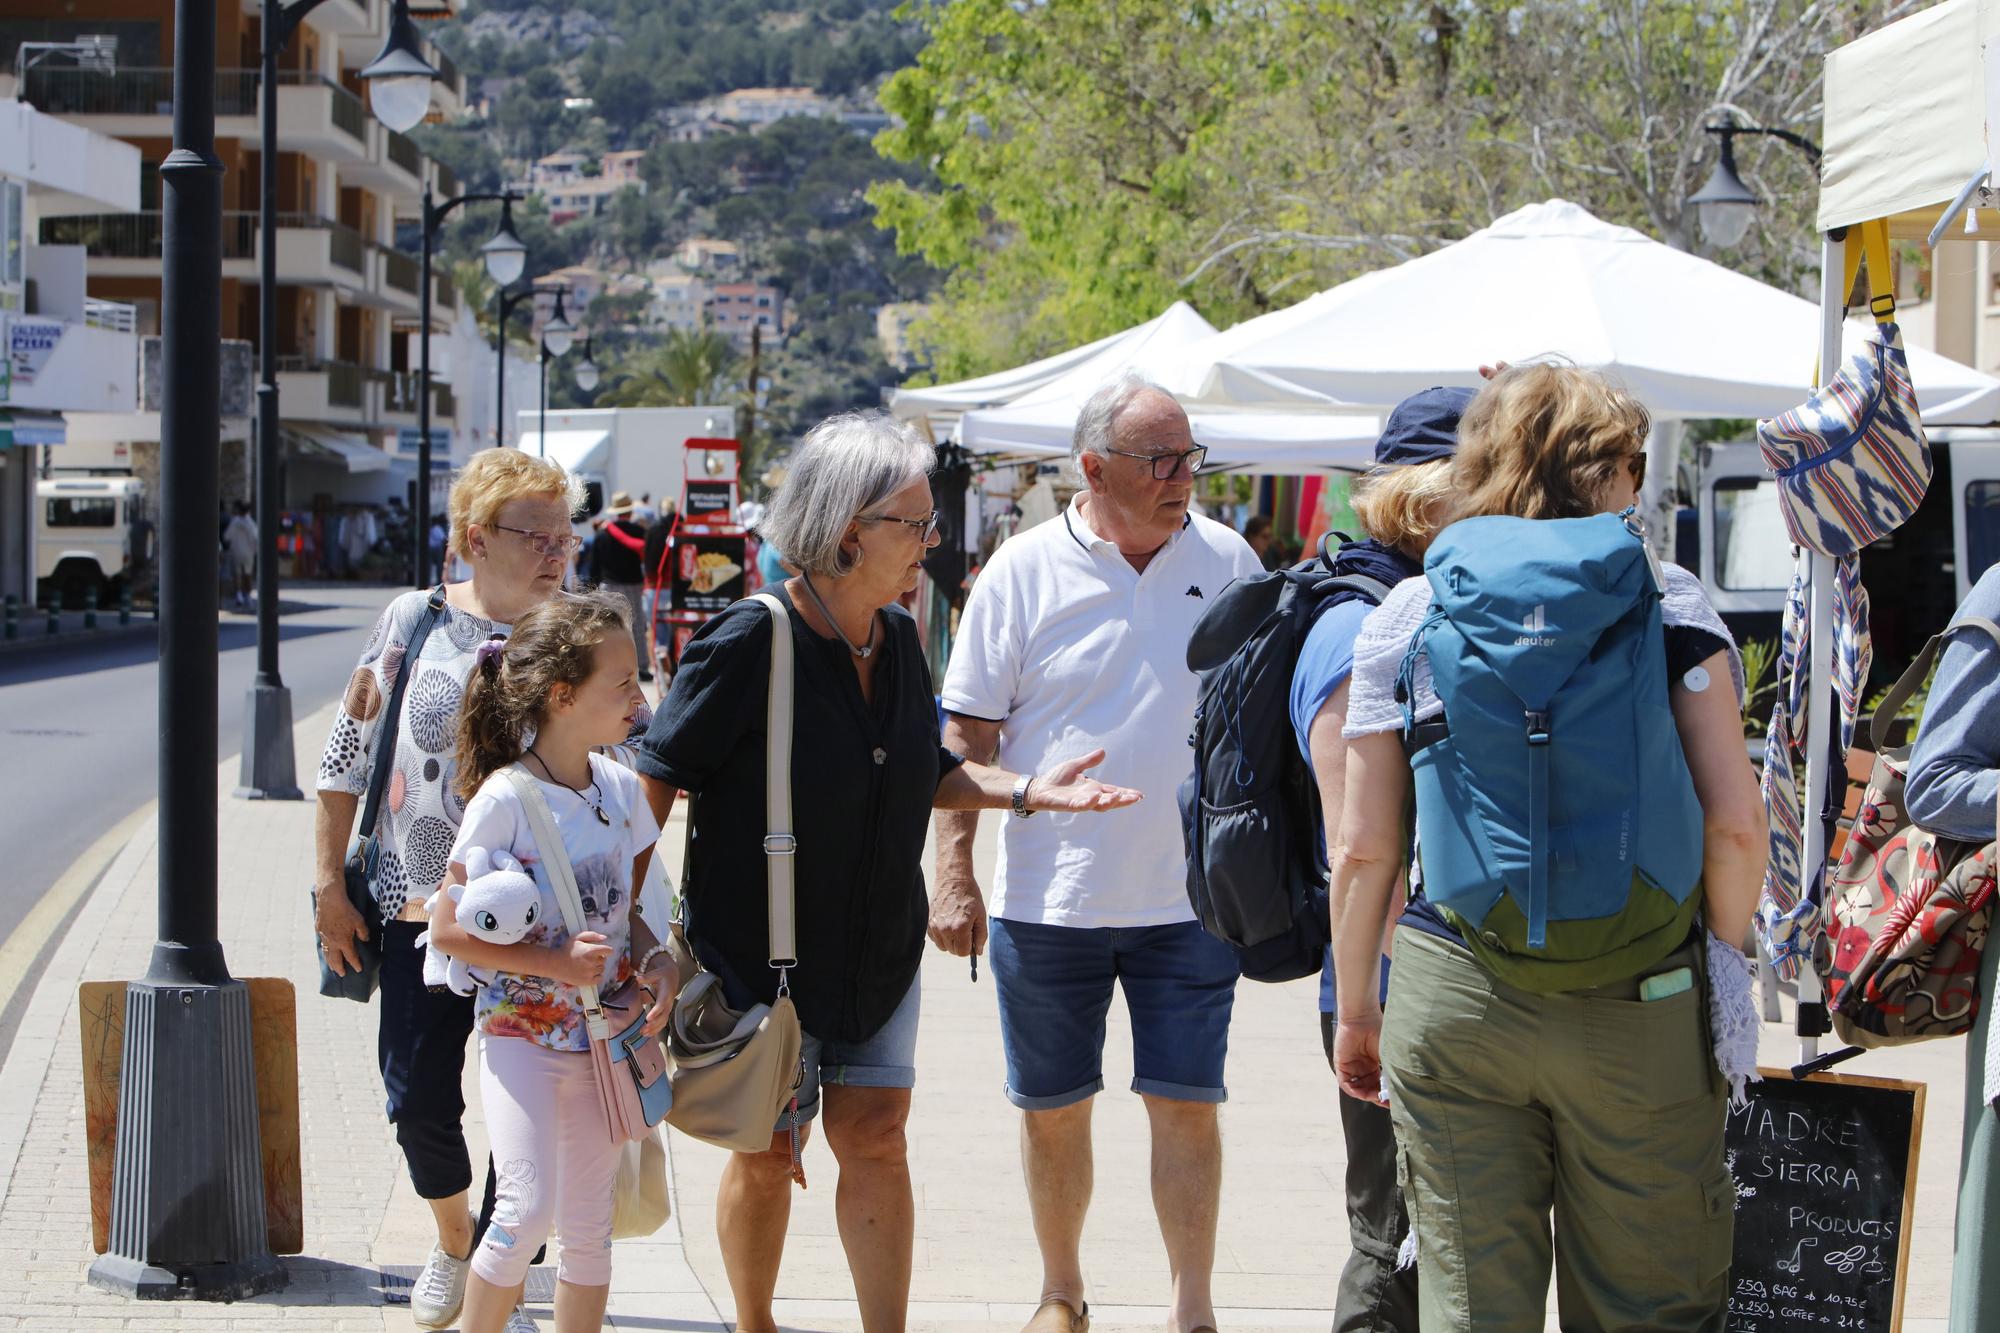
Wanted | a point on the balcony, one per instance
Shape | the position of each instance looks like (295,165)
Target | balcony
(444,404)
(397,281)
(129,244)
(347,17)
(402,151)
(136,101)
(318,117)
(446,180)
(445,297)
(394,167)
(310,389)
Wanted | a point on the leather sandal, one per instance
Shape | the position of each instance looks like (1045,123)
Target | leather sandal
(1056,1315)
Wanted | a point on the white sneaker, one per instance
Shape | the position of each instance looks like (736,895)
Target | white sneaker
(518,1322)
(439,1291)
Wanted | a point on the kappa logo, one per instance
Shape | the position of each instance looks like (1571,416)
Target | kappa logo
(1537,626)
(1194,591)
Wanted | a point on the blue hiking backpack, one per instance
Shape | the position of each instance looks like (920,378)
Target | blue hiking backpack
(1558,824)
(1250,816)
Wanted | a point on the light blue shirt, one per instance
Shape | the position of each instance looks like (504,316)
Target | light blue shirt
(1954,782)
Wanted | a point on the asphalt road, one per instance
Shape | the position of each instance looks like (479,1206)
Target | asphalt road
(79,740)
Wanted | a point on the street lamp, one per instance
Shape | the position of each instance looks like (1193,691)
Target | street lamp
(399,79)
(549,353)
(505,257)
(1725,204)
(187,1186)
(587,373)
(508,305)
(559,333)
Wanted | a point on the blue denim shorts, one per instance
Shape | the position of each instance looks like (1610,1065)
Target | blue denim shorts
(1054,984)
(886,1060)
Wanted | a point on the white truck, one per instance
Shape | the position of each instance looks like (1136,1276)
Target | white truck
(90,532)
(1916,576)
(637,450)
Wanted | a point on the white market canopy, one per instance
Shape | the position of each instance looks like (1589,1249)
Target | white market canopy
(1909,109)
(1689,338)
(1040,424)
(941,404)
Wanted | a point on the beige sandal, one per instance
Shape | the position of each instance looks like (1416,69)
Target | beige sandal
(1056,1315)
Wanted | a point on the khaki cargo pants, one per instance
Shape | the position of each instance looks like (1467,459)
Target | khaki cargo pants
(1594,1105)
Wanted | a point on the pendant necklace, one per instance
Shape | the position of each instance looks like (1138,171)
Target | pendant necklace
(592,800)
(861,652)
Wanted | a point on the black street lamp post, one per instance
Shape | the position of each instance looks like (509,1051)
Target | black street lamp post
(187,1194)
(1724,203)
(557,338)
(505,256)
(509,303)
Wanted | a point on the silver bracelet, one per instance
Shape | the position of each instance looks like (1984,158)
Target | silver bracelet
(646,960)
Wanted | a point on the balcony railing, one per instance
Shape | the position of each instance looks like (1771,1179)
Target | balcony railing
(399,270)
(345,247)
(444,404)
(346,382)
(113,315)
(403,152)
(132,91)
(139,235)
(447,292)
(447,70)
(349,115)
(447,180)
(399,390)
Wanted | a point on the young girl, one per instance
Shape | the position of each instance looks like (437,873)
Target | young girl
(564,683)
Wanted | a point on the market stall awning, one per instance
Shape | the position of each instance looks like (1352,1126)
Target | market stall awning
(1906,120)
(1689,338)
(354,452)
(31,428)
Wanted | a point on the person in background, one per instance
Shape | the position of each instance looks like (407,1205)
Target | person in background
(643,512)
(1257,533)
(239,540)
(616,555)
(1598,1103)
(1074,641)
(656,567)
(1401,504)
(1954,790)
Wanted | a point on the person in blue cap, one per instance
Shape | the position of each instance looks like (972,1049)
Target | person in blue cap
(1401,504)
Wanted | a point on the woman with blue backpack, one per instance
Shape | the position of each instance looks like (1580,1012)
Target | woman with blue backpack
(1565,711)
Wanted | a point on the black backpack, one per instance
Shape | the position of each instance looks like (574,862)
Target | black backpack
(1250,816)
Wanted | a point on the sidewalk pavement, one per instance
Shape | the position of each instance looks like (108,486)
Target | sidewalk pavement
(1283,1230)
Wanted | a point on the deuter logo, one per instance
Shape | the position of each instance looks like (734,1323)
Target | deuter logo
(1536,625)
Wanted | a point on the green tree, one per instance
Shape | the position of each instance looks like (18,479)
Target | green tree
(686,368)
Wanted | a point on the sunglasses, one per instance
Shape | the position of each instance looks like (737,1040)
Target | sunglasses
(1637,462)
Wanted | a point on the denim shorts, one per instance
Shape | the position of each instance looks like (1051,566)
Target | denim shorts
(886,1060)
(1054,985)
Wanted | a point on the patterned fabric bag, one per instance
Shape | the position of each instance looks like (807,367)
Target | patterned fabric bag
(1909,909)
(1852,464)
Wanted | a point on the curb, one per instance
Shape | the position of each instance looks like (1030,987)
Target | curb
(29,642)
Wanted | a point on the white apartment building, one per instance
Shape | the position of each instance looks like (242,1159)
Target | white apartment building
(757,107)
(63,355)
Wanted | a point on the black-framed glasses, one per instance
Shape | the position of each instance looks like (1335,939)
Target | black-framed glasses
(544,543)
(926,527)
(1192,457)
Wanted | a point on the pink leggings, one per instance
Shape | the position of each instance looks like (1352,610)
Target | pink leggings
(555,1160)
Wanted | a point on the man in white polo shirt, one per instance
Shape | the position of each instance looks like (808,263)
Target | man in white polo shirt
(1074,639)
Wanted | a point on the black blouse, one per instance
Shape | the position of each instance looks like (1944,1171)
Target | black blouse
(863,782)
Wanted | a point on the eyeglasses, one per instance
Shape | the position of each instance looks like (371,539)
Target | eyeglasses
(1193,458)
(544,543)
(926,527)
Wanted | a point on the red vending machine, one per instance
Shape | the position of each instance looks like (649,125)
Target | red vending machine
(710,558)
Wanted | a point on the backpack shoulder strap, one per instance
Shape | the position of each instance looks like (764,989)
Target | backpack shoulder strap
(1374,590)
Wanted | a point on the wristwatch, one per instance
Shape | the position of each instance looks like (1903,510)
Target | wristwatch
(1020,799)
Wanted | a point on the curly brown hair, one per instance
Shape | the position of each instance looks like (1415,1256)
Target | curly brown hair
(510,687)
(1544,440)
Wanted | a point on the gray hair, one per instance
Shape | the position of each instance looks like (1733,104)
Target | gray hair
(845,469)
(1099,417)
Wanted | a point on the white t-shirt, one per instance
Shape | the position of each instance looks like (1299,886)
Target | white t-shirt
(600,856)
(1071,650)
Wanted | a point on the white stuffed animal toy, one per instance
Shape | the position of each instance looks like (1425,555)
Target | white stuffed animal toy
(498,903)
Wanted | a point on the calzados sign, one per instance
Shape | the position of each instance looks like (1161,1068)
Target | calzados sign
(1825,1174)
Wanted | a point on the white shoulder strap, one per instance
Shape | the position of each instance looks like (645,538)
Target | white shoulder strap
(780,846)
(562,878)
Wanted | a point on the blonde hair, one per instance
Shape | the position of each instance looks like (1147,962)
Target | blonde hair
(1404,506)
(495,477)
(1544,440)
(509,689)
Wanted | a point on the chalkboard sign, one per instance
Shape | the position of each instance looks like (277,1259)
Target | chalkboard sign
(1825,1181)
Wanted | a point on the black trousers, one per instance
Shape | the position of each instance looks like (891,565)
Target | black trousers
(1373,1297)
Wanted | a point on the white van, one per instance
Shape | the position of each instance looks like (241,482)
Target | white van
(1916,576)
(89,533)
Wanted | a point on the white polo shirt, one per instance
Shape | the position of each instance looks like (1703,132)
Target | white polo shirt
(1071,650)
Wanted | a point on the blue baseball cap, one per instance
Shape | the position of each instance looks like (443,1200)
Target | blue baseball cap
(1423,428)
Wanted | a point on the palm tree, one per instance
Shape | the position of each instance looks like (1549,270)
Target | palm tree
(688,367)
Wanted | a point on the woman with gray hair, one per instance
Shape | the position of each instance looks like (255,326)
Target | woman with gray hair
(855,518)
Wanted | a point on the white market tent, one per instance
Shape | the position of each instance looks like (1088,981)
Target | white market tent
(1688,337)
(1040,424)
(939,406)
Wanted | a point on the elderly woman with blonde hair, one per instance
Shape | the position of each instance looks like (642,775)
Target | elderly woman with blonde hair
(855,518)
(510,523)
